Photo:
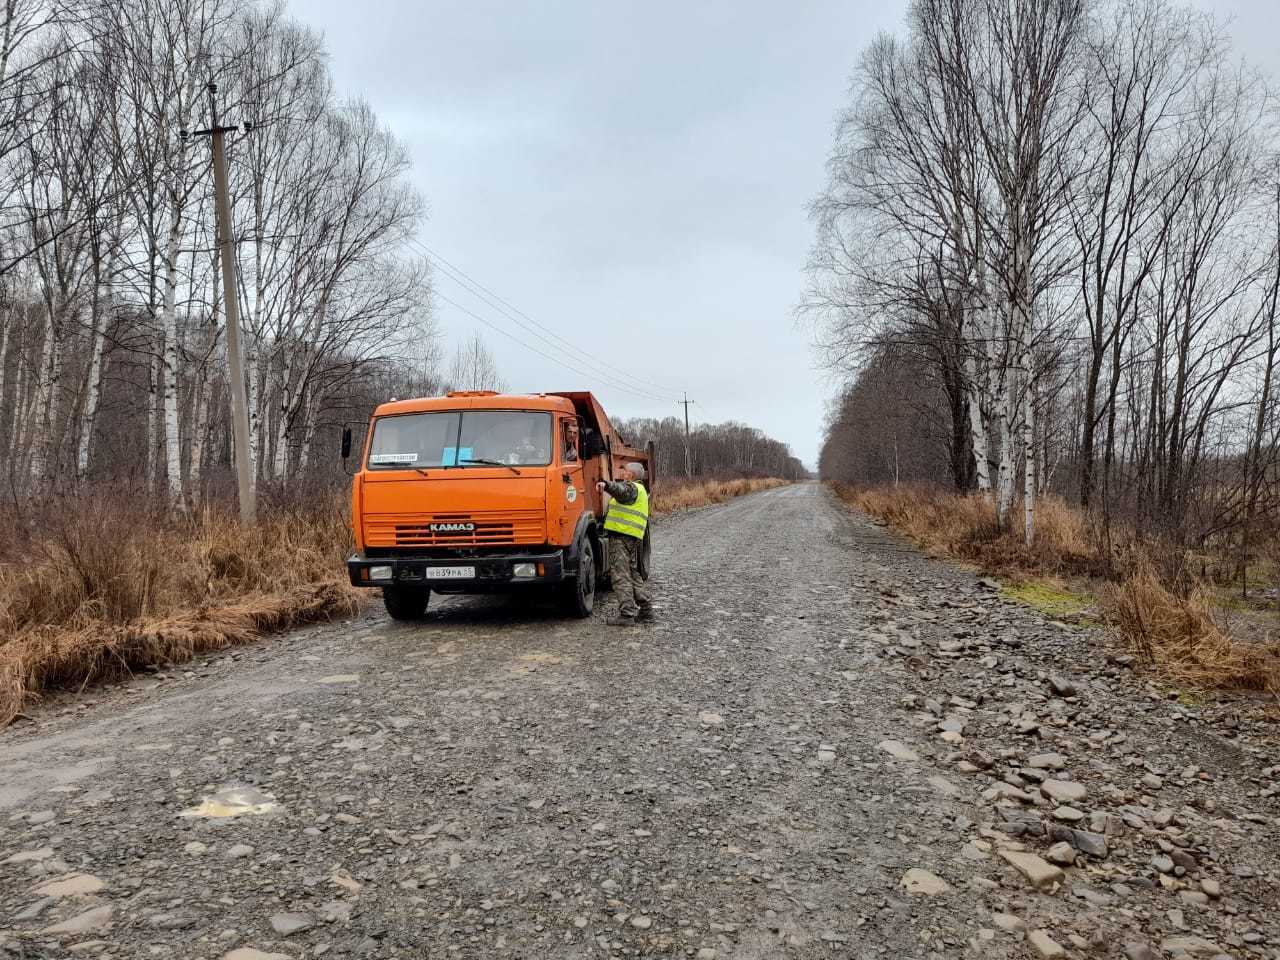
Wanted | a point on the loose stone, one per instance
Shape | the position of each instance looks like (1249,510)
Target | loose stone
(1064,791)
(1061,853)
(72,885)
(1045,945)
(1047,761)
(1008,922)
(287,924)
(921,881)
(897,750)
(1040,874)
(86,922)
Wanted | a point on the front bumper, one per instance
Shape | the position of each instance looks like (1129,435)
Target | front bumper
(494,572)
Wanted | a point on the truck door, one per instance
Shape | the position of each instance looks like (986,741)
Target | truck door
(573,488)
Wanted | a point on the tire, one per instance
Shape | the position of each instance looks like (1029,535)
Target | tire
(405,603)
(645,561)
(580,593)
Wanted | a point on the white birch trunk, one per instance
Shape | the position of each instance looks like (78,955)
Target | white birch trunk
(1006,420)
(93,384)
(288,399)
(172,378)
(975,321)
(153,377)
(38,415)
(280,465)
(199,430)
(255,409)
(4,349)
(309,436)
(1005,403)
(257,378)
(53,422)
(1025,340)
(978,429)
(995,383)
(19,420)
(1029,456)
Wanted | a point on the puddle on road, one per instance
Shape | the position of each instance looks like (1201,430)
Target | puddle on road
(234,802)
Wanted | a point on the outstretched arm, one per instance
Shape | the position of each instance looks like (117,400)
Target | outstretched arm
(624,491)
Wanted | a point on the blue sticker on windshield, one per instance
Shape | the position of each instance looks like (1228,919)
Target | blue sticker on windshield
(467,454)
(449,458)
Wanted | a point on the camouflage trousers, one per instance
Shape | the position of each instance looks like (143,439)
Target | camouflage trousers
(630,588)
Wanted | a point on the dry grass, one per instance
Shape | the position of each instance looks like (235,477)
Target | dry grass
(1181,638)
(100,587)
(681,495)
(964,526)
(1148,598)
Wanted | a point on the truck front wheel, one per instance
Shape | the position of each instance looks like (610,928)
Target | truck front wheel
(580,592)
(405,603)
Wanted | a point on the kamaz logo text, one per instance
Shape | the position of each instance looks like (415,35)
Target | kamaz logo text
(452,527)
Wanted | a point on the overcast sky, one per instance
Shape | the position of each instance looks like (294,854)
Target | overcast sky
(633,176)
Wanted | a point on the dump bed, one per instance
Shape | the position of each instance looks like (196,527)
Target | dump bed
(617,451)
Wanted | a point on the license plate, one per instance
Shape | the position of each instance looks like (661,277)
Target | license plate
(451,573)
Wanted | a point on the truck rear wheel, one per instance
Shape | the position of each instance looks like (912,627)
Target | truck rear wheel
(405,603)
(580,592)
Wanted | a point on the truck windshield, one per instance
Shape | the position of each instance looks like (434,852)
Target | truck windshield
(519,438)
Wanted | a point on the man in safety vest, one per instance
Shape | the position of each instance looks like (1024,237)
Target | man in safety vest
(627,520)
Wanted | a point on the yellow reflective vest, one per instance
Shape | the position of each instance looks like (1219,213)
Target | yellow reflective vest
(631,519)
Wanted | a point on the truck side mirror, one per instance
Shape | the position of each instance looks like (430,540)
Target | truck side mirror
(346,442)
(591,444)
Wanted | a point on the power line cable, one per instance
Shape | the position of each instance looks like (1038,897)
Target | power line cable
(528,323)
(542,331)
(579,356)
(558,360)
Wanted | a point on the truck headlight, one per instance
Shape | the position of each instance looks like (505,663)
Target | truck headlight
(379,573)
(524,570)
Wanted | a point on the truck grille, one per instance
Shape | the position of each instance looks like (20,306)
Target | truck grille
(455,529)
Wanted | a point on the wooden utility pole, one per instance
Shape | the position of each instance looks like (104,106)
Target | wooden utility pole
(235,365)
(688,464)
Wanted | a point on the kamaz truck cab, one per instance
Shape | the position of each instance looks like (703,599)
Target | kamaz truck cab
(480,492)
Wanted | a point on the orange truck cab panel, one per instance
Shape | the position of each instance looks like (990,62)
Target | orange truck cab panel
(479,492)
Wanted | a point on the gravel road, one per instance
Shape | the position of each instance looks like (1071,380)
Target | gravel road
(830,746)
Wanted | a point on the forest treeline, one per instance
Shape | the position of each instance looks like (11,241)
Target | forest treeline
(712,451)
(111,328)
(1047,258)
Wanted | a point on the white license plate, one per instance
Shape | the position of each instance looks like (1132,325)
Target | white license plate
(451,573)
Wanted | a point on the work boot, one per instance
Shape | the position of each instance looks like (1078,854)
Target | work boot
(646,615)
(621,621)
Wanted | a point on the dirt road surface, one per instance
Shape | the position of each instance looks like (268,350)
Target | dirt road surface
(829,747)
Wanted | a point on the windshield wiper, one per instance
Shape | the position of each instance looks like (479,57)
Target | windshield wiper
(492,463)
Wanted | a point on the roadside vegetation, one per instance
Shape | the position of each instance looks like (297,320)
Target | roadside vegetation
(1165,604)
(687,495)
(96,586)
(1046,268)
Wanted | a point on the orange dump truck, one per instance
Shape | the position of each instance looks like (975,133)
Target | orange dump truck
(479,492)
